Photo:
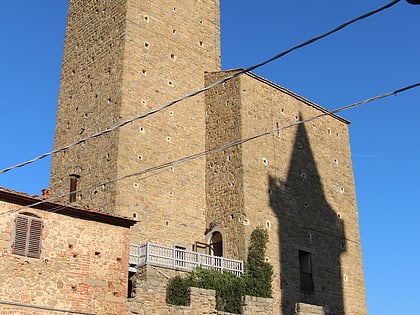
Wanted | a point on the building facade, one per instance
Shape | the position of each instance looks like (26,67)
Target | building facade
(58,259)
(122,59)
(296,181)
(185,172)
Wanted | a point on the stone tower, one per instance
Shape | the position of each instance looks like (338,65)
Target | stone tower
(296,182)
(123,58)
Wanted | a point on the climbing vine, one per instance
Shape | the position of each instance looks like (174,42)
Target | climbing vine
(256,280)
(258,272)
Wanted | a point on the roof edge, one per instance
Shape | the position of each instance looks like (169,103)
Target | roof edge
(288,92)
(36,202)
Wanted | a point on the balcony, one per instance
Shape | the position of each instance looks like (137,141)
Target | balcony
(180,259)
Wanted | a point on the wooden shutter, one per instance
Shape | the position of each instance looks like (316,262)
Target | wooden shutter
(28,234)
(34,238)
(21,232)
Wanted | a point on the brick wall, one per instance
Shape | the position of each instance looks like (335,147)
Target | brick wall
(10,310)
(78,269)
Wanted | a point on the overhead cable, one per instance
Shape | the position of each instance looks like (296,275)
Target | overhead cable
(175,101)
(221,148)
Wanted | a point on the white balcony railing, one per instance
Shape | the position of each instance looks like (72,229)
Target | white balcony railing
(176,258)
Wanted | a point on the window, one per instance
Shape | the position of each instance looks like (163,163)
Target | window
(27,240)
(180,256)
(305,269)
(73,187)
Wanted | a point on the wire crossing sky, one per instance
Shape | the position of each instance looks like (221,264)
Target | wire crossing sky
(158,109)
(216,150)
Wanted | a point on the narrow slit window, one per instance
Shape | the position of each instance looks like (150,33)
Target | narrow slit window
(28,234)
(73,187)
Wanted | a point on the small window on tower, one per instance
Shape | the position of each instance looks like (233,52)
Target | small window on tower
(73,187)
(305,269)
(27,238)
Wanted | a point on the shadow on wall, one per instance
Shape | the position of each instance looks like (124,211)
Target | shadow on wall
(310,232)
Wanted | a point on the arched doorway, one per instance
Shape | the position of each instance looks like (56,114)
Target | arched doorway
(216,244)
(216,241)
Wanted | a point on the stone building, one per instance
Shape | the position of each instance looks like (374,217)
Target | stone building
(56,258)
(125,58)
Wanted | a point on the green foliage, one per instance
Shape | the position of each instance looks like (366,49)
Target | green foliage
(229,288)
(257,246)
(258,272)
(177,289)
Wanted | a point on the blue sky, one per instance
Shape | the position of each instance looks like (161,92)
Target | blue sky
(374,56)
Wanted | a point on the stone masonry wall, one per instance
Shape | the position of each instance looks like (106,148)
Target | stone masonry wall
(169,45)
(150,294)
(308,309)
(224,170)
(78,270)
(297,183)
(90,100)
(123,58)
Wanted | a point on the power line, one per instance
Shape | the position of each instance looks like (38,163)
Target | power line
(197,92)
(221,148)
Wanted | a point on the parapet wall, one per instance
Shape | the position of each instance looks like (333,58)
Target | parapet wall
(309,309)
(150,297)
(201,302)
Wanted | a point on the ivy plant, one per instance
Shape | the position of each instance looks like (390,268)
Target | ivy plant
(229,288)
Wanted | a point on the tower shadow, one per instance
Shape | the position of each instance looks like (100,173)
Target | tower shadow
(311,234)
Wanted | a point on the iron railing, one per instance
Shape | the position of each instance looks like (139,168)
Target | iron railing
(177,258)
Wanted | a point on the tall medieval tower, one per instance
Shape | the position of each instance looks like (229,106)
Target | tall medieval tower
(123,58)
